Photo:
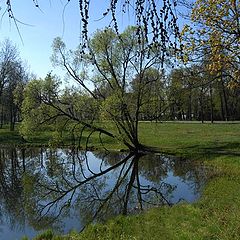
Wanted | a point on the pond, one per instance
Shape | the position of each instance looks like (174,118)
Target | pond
(66,189)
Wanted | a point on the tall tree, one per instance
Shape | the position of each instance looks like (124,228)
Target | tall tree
(12,74)
(116,56)
(215,32)
(114,61)
(8,55)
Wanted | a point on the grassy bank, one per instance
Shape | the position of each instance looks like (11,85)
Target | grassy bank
(192,139)
(176,138)
(215,216)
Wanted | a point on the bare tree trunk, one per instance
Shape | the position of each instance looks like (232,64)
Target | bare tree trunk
(201,105)
(225,102)
(211,103)
(189,115)
(12,118)
(1,123)
(222,107)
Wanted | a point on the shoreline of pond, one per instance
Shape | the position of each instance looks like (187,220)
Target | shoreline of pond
(218,146)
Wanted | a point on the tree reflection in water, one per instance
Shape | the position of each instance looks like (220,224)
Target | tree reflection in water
(43,188)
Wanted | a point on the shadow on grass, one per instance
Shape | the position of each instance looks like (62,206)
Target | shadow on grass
(215,149)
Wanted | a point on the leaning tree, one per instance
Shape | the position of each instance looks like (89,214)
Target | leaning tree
(115,58)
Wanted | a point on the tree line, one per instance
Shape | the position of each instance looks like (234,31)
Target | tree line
(184,93)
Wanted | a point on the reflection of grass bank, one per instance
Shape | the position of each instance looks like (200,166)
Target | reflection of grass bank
(215,216)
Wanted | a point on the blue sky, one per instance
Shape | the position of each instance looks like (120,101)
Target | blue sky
(45,26)
(48,24)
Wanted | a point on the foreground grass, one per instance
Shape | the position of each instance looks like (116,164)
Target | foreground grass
(215,216)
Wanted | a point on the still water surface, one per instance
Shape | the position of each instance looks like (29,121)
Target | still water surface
(64,189)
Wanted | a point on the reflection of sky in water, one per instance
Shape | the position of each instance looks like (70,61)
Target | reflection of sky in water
(15,234)
(184,189)
(185,186)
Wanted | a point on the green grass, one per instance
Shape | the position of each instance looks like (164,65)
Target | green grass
(8,137)
(191,138)
(176,138)
(215,216)
(50,138)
